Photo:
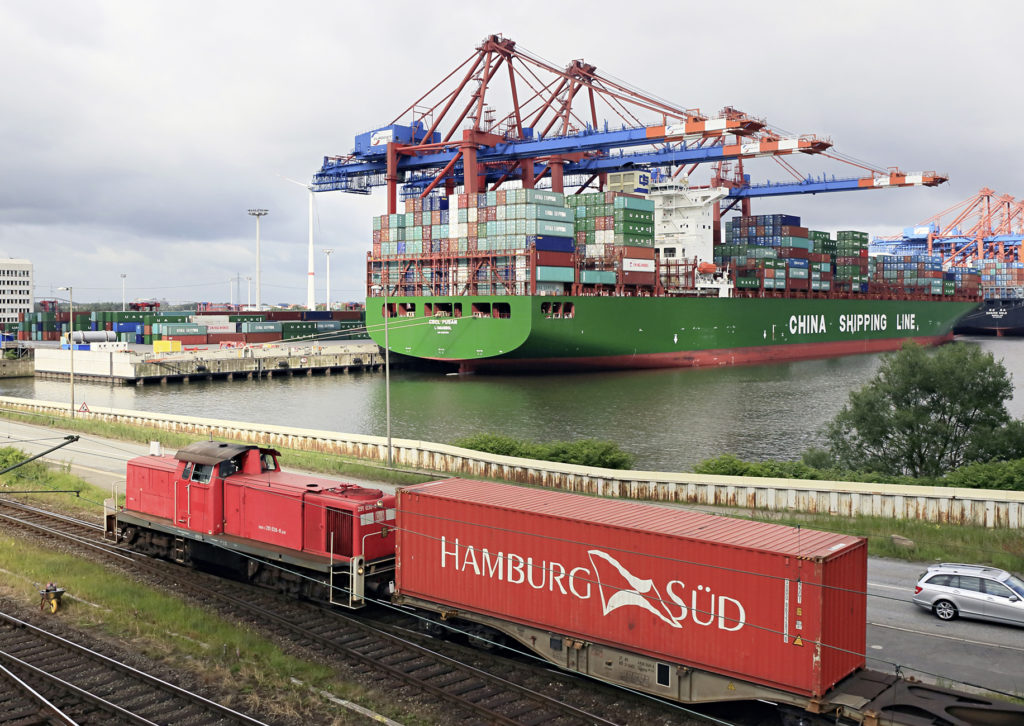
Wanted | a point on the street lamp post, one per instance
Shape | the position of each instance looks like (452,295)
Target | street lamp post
(248,291)
(258,213)
(123,305)
(387,367)
(71,342)
(328,252)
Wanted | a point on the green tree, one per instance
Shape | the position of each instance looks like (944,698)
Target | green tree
(926,412)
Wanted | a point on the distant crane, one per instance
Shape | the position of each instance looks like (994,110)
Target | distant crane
(985,226)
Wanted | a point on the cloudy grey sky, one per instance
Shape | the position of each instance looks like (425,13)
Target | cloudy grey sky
(134,135)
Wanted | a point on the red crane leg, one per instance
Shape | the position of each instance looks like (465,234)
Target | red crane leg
(557,164)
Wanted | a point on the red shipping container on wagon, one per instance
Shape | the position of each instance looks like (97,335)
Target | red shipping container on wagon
(776,605)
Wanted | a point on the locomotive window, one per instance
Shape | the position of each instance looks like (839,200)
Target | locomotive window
(186,473)
(202,472)
(267,462)
(229,467)
(664,675)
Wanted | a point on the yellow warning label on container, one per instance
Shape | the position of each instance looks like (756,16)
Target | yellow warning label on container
(798,640)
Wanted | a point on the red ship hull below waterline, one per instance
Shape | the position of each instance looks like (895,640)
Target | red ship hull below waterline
(699,358)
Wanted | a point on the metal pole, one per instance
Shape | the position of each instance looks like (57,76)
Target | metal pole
(328,252)
(123,306)
(258,213)
(310,289)
(248,290)
(71,343)
(387,368)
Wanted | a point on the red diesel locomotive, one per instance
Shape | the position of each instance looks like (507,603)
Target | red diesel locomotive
(231,506)
(685,606)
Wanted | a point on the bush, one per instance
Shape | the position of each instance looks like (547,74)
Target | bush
(926,413)
(586,452)
(990,475)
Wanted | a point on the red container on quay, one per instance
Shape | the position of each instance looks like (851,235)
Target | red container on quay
(262,337)
(218,338)
(761,602)
(188,339)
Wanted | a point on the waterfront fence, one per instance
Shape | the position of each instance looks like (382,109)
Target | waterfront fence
(944,505)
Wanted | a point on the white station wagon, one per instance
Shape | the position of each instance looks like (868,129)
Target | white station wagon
(952,590)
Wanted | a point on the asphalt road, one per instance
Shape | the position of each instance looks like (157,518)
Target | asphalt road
(899,633)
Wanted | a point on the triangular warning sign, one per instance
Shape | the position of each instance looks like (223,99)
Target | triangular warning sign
(83,409)
(798,640)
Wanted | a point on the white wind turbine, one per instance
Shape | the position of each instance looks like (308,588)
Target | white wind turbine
(310,288)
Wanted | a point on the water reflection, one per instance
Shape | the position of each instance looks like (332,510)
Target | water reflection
(670,419)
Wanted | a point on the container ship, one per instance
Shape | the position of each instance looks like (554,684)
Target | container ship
(1002,312)
(533,280)
(541,237)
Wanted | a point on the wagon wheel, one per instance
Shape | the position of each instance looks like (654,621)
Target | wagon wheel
(54,604)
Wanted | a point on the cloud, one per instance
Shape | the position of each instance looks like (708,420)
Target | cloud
(134,136)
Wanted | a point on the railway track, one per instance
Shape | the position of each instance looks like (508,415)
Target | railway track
(45,678)
(471,692)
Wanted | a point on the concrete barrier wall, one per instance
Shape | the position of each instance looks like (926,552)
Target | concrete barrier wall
(984,507)
(19,368)
(107,363)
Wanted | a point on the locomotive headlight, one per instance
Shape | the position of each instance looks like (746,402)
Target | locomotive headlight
(359,571)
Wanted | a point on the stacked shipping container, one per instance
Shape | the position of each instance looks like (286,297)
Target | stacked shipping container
(491,242)
(924,274)
(1002,280)
(773,252)
(201,329)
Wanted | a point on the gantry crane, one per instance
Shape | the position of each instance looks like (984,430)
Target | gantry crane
(985,226)
(556,132)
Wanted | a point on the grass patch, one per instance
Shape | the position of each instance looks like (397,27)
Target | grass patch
(181,636)
(39,477)
(1003,548)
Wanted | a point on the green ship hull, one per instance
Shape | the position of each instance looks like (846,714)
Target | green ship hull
(525,332)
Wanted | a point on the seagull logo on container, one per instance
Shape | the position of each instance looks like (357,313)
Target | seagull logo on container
(617,587)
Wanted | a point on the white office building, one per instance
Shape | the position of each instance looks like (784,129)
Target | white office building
(15,289)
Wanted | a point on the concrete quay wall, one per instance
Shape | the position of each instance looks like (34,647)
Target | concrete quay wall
(983,507)
(129,367)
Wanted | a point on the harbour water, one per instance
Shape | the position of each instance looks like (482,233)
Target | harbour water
(669,419)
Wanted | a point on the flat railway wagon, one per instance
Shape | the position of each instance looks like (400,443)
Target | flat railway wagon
(232,507)
(689,607)
(686,606)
